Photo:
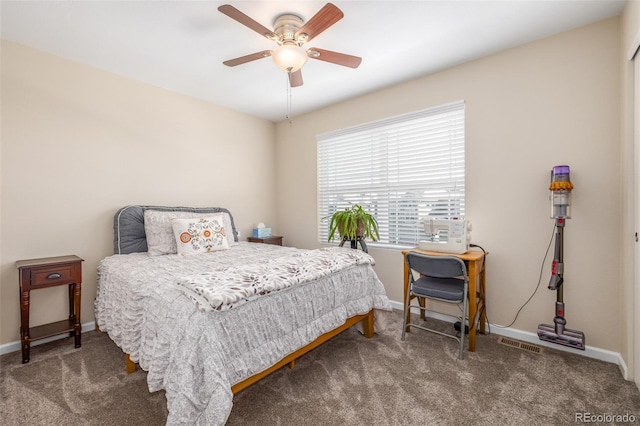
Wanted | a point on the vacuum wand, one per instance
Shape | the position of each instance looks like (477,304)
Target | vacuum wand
(560,187)
(557,268)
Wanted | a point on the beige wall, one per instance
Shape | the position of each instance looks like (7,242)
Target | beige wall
(630,294)
(551,102)
(79,143)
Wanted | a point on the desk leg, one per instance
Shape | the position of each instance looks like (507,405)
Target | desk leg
(473,304)
(407,312)
(483,300)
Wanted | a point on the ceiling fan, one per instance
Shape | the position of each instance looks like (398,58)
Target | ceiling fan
(290,32)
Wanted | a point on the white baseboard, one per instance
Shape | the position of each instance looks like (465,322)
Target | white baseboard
(525,336)
(16,346)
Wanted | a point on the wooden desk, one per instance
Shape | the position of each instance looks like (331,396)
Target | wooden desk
(475,261)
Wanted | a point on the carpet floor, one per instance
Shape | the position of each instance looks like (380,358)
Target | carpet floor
(349,380)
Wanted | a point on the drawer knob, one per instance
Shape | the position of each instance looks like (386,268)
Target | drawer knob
(53,276)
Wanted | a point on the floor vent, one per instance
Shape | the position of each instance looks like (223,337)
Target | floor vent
(520,345)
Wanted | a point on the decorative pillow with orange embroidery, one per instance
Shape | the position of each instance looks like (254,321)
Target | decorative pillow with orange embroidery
(200,234)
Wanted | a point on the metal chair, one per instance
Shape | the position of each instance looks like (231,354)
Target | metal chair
(442,278)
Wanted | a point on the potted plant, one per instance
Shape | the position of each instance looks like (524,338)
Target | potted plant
(353,224)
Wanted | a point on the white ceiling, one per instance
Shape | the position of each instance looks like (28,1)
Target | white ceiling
(180,45)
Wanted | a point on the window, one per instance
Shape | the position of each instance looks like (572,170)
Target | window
(402,170)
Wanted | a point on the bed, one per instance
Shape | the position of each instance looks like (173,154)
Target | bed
(206,325)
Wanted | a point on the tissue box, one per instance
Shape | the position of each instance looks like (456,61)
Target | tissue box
(261,232)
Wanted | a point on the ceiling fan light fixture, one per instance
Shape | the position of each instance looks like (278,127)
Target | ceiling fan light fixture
(273,37)
(289,57)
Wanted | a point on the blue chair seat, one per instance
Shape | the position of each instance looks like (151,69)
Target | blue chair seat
(447,289)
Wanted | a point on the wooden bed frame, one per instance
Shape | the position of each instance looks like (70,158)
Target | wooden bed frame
(367,326)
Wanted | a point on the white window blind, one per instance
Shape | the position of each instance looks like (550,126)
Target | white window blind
(401,170)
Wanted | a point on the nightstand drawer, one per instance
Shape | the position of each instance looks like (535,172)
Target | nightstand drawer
(55,275)
(274,239)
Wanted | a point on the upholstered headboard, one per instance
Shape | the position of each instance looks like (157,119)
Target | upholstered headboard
(128,226)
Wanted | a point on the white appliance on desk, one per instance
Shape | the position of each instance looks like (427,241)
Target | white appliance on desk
(446,235)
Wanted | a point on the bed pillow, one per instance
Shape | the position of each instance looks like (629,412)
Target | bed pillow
(199,234)
(160,238)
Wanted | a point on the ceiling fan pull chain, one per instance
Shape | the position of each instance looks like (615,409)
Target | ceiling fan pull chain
(288,115)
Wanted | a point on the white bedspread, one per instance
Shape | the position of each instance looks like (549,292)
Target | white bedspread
(197,356)
(227,287)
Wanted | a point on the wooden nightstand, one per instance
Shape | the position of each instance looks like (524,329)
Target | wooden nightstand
(43,273)
(274,239)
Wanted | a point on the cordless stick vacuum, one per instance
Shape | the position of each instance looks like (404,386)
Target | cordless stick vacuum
(560,187)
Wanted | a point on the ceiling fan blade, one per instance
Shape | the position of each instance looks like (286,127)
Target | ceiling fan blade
(245,20)
(326,17)
(295,78)
(334,57)
(248,58)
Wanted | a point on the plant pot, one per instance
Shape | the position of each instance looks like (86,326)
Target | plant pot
(359,230)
